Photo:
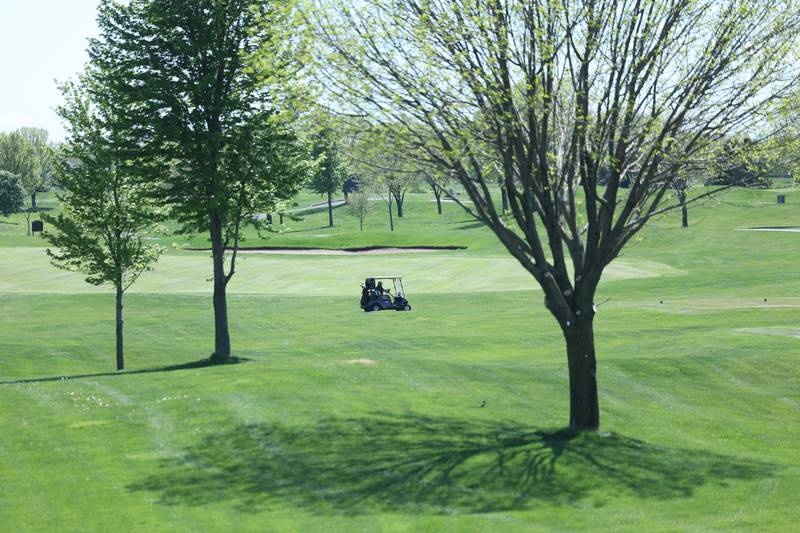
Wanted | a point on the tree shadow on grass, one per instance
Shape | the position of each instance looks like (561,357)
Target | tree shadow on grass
(203,363)
(412,464)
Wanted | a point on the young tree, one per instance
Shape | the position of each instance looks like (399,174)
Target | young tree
(330,173)
(359,207)
(12,195)
(38,138)
(104,211)
(550,93)
(195,88)
(18,156)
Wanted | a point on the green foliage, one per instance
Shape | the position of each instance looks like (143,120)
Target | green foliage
(45,153)
(331,171)
(12,195)
(19,156)
(195,114)
(740,162)
(104,211)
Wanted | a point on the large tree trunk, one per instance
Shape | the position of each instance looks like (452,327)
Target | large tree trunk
(33,200)
(399,201)
(222,339)
(584,411)
(330,209)
(120,326)
(685,216)
(504,195)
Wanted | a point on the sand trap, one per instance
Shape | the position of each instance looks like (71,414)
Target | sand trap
(365,362)
(373,250)
(779,230)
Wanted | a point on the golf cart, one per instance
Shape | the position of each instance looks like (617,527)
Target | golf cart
(374,297)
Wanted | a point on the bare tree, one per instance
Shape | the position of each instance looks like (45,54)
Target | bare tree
(554,93)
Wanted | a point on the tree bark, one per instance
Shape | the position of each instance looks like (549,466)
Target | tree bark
(330,209)
(120,327)
(399,201)
(504,195)
(33,200)
(685,216)
(584,411)
(222,340)
(391,215)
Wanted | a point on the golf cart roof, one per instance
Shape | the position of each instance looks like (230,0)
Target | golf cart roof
(386,277)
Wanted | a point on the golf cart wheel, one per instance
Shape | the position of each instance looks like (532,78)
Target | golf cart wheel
(407,308)
(376,307)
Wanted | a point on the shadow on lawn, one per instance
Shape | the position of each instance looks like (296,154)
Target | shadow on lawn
(203,363)
(441,465)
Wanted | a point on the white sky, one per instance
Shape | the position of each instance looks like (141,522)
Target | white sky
(40,41)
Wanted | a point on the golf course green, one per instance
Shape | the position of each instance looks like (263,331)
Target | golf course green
(339,420)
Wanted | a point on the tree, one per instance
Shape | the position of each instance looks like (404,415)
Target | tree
(100,231)
(438,184)
(330,174)
(740,162)
(18,156)
(195,89)
(38,138)
(359,207)
(12,195)
(549,93)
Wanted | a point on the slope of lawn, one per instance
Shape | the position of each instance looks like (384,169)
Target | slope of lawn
(339,420)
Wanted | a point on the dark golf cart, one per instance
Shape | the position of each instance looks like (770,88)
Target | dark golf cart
(374,297)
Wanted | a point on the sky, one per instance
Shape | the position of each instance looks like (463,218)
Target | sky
(40,41)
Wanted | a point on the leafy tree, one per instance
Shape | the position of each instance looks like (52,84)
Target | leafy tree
(740,162)
(550,93)
(104,211)
(12,195)
(38,138)
(18,156)
(194,88)
(359,207)
(330,173)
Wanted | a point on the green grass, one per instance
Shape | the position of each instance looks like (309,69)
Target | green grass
(699,394)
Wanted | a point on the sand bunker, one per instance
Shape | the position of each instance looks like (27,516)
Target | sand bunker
(775,229)
(371,250)
(364,362)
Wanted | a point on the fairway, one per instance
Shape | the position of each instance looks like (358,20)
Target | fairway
(339,420)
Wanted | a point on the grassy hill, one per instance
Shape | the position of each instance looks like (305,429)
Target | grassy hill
(341,420)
